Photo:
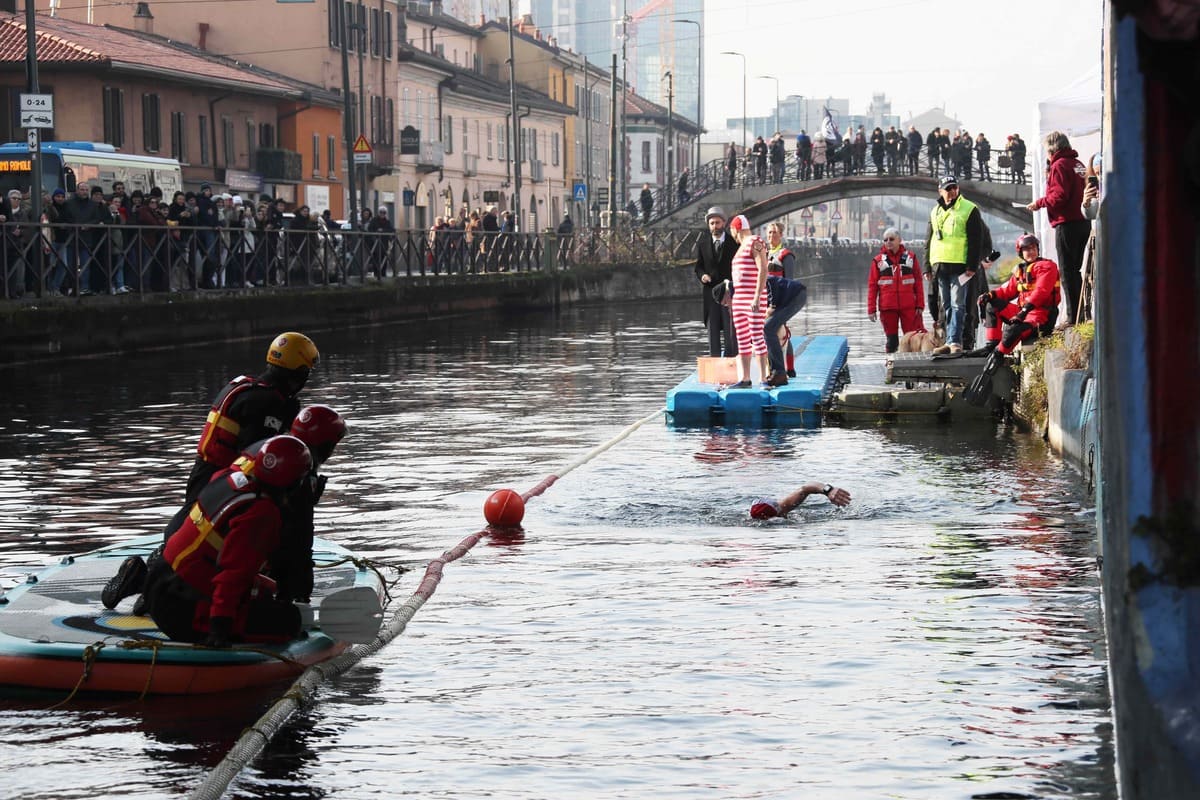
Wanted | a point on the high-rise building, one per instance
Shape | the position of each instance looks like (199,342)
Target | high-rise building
(656,43)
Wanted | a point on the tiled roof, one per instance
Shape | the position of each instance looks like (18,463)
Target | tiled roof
(638,106)
(63,41)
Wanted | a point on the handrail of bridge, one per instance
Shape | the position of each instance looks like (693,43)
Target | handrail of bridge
(65,260)
(714,176)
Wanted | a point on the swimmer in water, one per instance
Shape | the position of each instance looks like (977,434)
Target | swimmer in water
(764,508)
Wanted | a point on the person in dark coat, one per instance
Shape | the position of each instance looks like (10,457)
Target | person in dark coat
(714,264)
(646,198)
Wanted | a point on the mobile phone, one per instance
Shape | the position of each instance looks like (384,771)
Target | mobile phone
(1092,180)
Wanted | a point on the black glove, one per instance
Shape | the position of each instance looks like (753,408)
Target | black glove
(1023,313)
(220,631)
(984,299)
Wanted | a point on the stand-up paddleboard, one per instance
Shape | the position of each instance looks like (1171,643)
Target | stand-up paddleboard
(56,634)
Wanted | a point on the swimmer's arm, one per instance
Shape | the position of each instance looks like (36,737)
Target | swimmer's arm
(839,497)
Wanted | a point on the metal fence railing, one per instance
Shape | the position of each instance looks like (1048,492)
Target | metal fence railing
(70,260)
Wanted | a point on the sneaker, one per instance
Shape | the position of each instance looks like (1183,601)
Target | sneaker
(127,582)
(122,290)
(85,292)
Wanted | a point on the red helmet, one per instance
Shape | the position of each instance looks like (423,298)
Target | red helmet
(282,461)
(1027,240)
(319,427)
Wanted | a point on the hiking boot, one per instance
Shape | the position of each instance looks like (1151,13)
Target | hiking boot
(128,581)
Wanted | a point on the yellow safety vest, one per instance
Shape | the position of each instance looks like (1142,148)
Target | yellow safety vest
(948,244)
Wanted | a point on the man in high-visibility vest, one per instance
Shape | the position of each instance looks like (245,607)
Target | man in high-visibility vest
(953,248)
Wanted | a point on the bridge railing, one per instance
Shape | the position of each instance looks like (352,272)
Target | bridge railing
(715,175)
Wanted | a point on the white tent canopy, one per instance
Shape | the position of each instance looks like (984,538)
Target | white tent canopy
(1077,111)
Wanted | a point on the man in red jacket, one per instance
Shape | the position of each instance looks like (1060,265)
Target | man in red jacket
(894,287)
(1063,202)
(207,587)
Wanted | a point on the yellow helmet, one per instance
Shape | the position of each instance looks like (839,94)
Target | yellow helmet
(293,350)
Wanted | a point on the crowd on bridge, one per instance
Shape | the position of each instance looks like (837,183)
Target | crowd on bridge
(817,157)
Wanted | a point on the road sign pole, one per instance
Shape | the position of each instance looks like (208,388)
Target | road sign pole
(35,173)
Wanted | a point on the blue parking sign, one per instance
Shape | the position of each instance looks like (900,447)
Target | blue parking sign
(580,192)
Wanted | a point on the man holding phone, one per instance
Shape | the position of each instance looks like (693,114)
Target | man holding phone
(1063,202)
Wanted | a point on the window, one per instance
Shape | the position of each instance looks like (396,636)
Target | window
(114,116)
(645,156)
(478,148)
(466,142)
(389,125)
(252,134)
(524,145)
(502,142)
(151,124)
(316,155)
(448,134)
(420,112)
(361,18)
(489,141)
(405,110)
(204,143)
(554,149)
(179,136)
(331,155)
(266,135)
(335,24)
(374,111)
(228,149)
(376,34)
(387,34)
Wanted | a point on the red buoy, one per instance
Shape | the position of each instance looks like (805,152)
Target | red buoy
(504,509)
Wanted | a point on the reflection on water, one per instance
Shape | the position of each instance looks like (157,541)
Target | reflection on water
(939,638)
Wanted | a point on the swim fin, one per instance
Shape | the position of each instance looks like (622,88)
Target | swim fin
(979,390)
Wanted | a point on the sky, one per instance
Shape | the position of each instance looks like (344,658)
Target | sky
(988,63)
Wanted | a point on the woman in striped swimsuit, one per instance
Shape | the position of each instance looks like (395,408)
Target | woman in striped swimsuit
(749,299)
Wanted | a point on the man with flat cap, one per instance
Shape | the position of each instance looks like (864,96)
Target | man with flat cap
(714,264)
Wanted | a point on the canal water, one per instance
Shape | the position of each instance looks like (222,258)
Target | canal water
(939,638)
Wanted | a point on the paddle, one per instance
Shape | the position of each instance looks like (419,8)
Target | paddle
(351,615)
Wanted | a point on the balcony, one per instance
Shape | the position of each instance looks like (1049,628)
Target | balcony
(383,159)
(537,171)
(277,165)
(432,157)
(470,165)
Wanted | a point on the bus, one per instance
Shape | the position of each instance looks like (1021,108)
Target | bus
(64,164)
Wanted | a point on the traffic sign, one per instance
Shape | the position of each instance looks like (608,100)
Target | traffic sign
(837,215)
(37,119)
(806,213)
(362,150)
(37,102)
(34,140)
(579,192)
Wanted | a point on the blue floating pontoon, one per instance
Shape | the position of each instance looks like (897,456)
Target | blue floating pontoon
(818,359)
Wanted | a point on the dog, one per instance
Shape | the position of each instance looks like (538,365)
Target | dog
(922,341)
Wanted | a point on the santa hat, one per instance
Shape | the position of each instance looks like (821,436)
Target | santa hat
(739,223)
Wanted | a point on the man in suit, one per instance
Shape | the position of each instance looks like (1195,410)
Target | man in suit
(714,260)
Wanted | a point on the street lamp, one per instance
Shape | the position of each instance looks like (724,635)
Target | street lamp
(743,58)
(699,80)
(670,78)
(773,78)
